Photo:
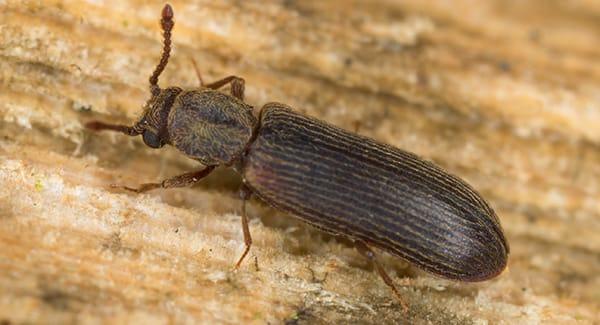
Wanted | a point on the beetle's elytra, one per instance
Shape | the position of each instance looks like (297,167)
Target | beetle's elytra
(342,183)
(354,186)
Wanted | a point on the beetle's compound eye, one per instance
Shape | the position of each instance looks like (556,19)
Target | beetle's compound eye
(152,140)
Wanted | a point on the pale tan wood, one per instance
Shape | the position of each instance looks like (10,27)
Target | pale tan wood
(504,94)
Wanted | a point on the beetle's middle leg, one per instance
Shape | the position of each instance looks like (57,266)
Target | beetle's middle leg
(182,180)
(245,195)
(237,83)
(367,252)
(198,74)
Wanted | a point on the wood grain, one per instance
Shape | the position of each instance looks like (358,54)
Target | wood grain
(504,94)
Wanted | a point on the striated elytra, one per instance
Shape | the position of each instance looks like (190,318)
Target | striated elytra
(340,182)
(356,187)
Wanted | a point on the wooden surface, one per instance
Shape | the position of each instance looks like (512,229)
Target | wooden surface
(505,94)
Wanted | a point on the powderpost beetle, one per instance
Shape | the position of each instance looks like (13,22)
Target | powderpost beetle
(340,182)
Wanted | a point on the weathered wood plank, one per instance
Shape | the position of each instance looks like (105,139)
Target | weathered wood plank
(504,94)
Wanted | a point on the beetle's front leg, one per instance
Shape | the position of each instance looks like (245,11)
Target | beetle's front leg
(128,130)
(367,252)
(182,180)
(245,195)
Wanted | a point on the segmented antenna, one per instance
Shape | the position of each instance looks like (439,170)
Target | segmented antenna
(167,24)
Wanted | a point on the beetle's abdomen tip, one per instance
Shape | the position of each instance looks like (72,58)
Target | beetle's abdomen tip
(493,265)
(489,273)
(482,253)
(488,257)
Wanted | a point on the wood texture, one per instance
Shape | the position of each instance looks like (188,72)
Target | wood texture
(501,93)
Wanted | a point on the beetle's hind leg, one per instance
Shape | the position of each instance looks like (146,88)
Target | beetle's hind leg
(245,195)
(367,252)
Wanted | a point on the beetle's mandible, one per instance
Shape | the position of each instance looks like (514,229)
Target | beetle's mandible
(340,182)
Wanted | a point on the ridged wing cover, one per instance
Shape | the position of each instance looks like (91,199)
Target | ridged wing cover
(353,186)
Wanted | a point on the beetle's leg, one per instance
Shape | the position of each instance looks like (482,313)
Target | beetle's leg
(356,124)
(367,252)
(129,130)
(237,85)
(182,180)
(198,74)
(245,195)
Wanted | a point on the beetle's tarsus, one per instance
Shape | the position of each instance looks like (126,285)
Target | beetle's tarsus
(245,195)
(368,253)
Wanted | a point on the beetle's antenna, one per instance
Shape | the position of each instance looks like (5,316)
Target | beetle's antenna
(167,24)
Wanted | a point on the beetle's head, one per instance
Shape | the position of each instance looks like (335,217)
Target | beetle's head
(204,124)
(152,125)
